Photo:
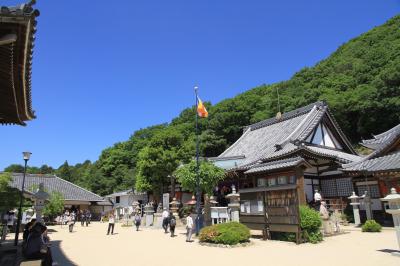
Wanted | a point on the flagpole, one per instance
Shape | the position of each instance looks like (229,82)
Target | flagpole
(198,196)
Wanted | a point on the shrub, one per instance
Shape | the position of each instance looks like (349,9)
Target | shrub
(371,226)
(310,223)
(283,236)
(227,233)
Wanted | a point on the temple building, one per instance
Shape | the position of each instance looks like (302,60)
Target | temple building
(378,172)
(17,36)
(279,163)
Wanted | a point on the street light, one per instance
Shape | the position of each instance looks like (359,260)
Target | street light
(26,156)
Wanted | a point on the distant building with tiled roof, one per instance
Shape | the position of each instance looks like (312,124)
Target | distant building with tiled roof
(74,196)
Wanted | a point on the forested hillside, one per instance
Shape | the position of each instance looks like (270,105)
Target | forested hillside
(360,81)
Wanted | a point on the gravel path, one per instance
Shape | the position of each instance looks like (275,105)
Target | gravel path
(150,247)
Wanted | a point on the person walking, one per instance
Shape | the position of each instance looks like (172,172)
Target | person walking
(87,217)
(82,217)
(165,216)
(137,220)
(111,223)
(317,200)
(102,217)
(70,223)
(172,224)
(189,227)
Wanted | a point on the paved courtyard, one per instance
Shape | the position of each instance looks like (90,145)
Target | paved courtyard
(151,247)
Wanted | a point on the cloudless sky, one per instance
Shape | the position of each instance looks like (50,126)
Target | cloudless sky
(103,69)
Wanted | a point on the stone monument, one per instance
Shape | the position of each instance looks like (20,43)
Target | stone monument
(356,208)
(366,200)
(40,198)
(393,200)
(149,212)
(158,217)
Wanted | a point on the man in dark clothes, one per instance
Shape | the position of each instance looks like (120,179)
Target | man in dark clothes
(37,245)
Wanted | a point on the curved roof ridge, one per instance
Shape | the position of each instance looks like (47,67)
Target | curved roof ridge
(286,116)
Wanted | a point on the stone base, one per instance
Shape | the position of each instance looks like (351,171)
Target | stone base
(158,220)
(149,220)
(397,254)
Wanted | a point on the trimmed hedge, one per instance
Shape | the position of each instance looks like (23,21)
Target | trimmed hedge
(231,233)
(371,226)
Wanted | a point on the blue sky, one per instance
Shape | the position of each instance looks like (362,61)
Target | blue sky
(103,69)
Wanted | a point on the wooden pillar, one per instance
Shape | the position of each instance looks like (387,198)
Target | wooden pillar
(300,186)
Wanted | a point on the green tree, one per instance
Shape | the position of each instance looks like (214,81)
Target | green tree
(64,171)
(209,175)
(14,168)
(158,160)
(9,197)
(54,206)
(45,169)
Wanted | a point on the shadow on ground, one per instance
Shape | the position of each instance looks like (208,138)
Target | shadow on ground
(388,250)
(59,256)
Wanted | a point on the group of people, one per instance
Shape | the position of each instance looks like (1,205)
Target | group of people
(36,243)
(70,217)
(169,221)
(111,221)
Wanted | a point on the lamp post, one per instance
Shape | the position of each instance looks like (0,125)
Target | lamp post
(26,156)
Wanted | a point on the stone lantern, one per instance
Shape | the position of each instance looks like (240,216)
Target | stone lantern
(174,206)
(212,201)
(136,206)
(192,202)
(393,200)
(234,204)
(356,208)
(149,212)
(40,198)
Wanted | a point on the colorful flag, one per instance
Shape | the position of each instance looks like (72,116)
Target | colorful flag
(201,109)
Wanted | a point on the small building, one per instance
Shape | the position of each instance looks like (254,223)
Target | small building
(123,201)
(75,197)
(378,172)
(277,164)
(17,36)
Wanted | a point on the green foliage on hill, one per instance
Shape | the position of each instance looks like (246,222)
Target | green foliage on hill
(360,81)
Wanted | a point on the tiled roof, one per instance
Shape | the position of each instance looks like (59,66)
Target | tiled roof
(274,138)
(125,192)
(19,24)
(386,163)
(382,141)
(53,183)
(274,165)
(382,159)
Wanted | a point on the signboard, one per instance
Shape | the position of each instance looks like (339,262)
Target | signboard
(165,201)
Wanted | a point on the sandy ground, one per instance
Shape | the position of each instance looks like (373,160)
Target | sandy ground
(151,247)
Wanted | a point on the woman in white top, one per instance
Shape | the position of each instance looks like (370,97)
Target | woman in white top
(189,228)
